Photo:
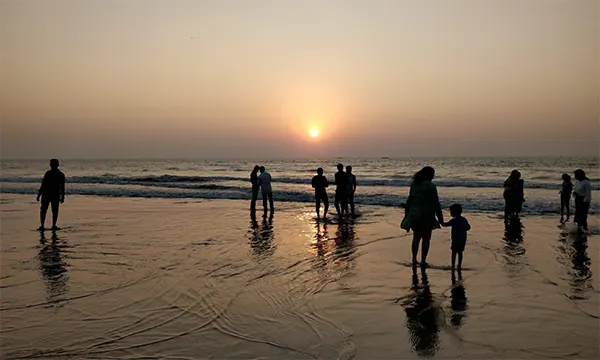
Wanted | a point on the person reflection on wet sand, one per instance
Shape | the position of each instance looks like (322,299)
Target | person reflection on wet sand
(422,317)
(513,247)
(321,238)
(458,301)
(513,236)
(344,240)
(575,249)
(262,236)
(53,268)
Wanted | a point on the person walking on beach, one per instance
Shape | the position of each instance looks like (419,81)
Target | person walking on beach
(422,208)
(513,195)
(52,192)
(351,189)
(565,196)
(460,226)
(264,181)
(583,197)
(341,190)
(255,188)
(319,183)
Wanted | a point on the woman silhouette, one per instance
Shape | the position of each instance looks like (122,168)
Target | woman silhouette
(422,207)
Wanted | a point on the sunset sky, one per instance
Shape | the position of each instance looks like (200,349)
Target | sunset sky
(240,79)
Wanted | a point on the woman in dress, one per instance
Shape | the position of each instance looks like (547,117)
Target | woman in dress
(422,208)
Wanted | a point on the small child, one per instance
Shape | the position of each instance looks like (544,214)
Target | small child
(460,226)
(565,196)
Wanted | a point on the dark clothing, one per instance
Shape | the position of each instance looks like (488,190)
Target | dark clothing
(341,183)
(53,186)
(255,188)
(47,202)
(254,197)
(565,194)
(567,189)
(322,197)
(513,196)
(269,196)
(581,212)
(460,226)
(319,183)
(254,178)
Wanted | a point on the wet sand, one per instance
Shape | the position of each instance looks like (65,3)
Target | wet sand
(162,279)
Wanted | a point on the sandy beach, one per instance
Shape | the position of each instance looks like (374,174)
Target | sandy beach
(197,279)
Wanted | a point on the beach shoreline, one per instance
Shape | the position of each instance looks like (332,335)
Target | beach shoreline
(193,278)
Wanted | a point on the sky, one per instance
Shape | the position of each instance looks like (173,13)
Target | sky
(254,79)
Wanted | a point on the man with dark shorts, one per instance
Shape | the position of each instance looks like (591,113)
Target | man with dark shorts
(341,190)
(52,192)
(319,183)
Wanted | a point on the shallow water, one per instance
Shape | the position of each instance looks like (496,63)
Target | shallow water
(164,279)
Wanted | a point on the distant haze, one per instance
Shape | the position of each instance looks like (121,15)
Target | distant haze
(251,79)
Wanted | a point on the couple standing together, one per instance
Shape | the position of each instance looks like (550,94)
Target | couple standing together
(262,182)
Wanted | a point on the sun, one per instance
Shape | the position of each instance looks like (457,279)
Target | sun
(314,133)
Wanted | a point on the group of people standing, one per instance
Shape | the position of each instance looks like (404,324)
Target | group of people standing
(345,187)
(261,182)
(423,212)
(345,182)
(581,192)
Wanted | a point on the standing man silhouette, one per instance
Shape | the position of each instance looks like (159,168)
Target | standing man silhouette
(319,183)
(52,192)
(341,190)
(351,188)
(264,180)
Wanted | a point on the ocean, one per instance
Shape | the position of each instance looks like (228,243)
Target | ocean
(476,183)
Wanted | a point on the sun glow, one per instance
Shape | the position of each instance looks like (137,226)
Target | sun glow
(314,133)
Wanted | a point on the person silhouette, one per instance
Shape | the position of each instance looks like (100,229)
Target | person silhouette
(513,195)
(255,187)
(264,181)
(51,192)
(422,208)
(565,196)
(583,197)
(341,190)
(319,183)
(351,189)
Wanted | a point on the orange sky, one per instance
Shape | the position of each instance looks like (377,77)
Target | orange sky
(108,78)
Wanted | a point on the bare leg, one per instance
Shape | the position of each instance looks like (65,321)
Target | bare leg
(318,205)
(55,206)
(326,204)
(43,211)
(425,247)
(415,246)
(562,207)
(453,261)
(460,257)
(568,211)
(337,205)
